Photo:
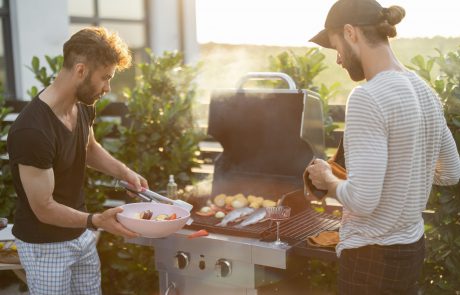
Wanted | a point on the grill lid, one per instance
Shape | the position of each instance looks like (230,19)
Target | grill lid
(259,131)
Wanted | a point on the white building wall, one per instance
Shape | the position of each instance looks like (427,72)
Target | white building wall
(191,46)
(165,31)
(38,28)
(164,26)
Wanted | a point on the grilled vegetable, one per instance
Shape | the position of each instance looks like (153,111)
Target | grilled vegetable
(206,211)
(219,214)
(172,217)
(147,214)
(200,233)
(268,203)
(161,217)
(219,200)
(229,200)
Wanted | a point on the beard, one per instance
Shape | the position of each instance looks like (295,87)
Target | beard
(352,63)
(86,93)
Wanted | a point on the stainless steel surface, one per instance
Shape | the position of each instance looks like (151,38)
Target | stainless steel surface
(171,289)
(182,260)
(240,249)
(223,268)
(156,196)
(266,76)
(215,264)
(190,286)
(312,126)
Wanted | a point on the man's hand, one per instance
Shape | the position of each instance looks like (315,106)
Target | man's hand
(322,177)
(136,180)
(107,220)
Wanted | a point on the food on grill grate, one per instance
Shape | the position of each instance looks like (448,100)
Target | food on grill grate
(197,234)
(324,239)
(211,210)
(235,215)
(239,202)
(219,214)
(268,203)
(255,217)
(219,200)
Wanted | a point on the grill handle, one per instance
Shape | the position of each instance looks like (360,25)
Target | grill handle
(266,76)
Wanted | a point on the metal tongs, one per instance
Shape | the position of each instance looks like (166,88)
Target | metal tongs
(152,196)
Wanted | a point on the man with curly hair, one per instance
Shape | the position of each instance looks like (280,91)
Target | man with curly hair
(49,145)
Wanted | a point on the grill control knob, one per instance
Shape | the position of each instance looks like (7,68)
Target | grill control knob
(223,268)
(182,260)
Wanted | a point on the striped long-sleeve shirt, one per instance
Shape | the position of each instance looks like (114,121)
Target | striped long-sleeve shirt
(397,144)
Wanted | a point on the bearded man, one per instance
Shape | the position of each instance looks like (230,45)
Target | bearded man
(396,145)
(49,146)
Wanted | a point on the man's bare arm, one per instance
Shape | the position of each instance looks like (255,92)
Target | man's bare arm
(99,159)
(38,185)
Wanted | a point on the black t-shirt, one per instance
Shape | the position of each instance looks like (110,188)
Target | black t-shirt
(38,138)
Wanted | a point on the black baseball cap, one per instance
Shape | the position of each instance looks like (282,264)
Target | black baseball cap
(353,12)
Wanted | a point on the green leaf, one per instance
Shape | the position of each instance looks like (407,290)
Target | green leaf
(51,63)
(35,64)
(419,61)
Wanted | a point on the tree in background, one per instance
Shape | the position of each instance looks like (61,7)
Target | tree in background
(7,193)
(162,137)
(441,270)
(303,69)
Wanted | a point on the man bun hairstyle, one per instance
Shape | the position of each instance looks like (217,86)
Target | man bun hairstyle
(391,16)
(380,32)
(95,46)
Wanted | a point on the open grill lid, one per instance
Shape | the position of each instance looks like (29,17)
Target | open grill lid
(260,131)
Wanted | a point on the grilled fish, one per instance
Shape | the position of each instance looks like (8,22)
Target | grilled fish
(234,215)
(255,217)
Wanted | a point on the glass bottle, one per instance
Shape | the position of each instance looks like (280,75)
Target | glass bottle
(171,189)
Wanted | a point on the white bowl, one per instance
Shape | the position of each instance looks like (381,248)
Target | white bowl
(152,228)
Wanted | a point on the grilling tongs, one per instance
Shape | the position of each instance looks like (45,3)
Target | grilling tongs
(149,195)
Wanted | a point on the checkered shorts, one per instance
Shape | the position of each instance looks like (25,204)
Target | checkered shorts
(70,267)
(375,270)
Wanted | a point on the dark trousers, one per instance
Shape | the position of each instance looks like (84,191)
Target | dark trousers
(381,270)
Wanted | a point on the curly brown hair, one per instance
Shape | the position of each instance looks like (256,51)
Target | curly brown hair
(96,46)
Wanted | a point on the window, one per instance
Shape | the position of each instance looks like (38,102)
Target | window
(7,87)
(128,18)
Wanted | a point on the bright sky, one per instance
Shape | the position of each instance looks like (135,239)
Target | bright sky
(293,22)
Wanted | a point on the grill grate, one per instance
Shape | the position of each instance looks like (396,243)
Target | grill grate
(305,224)
(295,229)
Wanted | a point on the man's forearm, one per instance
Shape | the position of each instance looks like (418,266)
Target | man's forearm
(60,215)
(332,183)
(99,159)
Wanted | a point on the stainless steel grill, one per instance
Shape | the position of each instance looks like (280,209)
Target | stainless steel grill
(268,136)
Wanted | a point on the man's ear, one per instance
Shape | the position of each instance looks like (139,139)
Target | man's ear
(80,70)
(350,33)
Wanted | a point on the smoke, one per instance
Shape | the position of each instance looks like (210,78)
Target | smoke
(223,64)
